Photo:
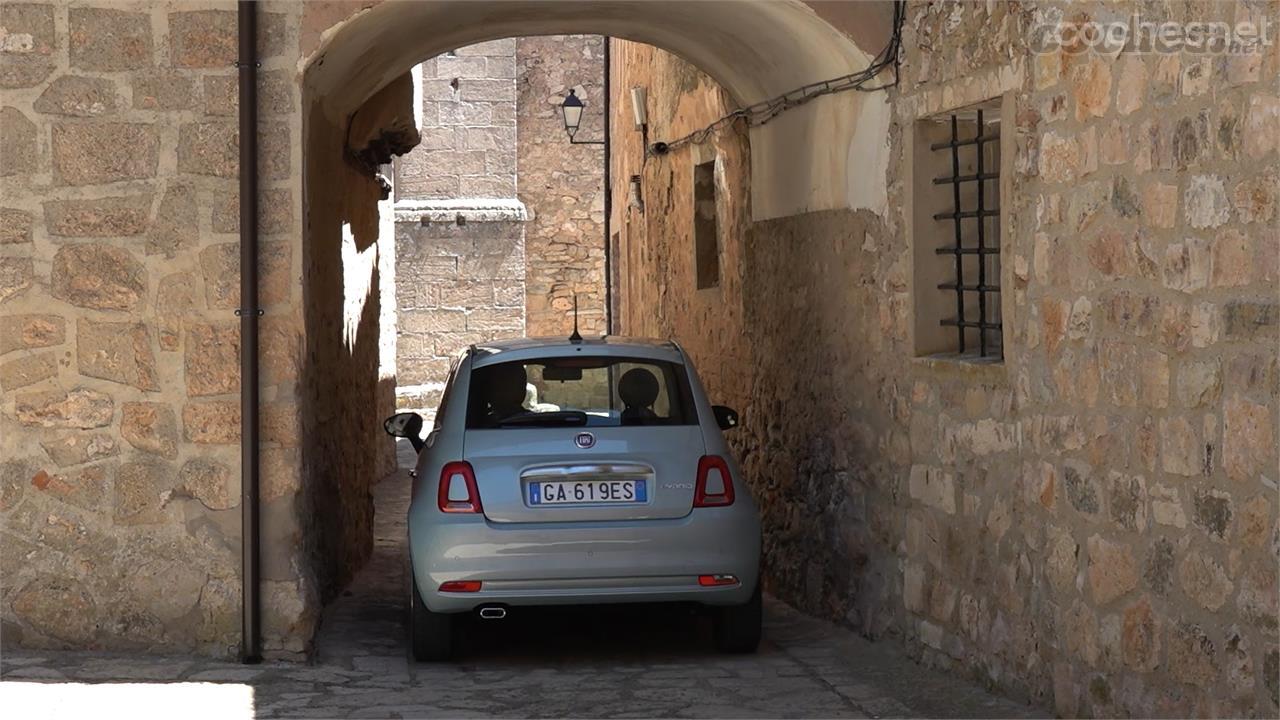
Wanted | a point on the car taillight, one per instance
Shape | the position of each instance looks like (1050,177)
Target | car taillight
(717,580)
(458,492)
(460,586)
(714,487)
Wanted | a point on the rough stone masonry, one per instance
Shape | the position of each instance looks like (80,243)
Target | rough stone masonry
(1092,521)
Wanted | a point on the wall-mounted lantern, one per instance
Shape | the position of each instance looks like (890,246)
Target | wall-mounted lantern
(572,108)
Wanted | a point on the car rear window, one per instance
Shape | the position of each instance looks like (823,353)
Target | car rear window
(580,391)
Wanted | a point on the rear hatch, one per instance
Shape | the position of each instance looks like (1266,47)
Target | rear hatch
(655,465)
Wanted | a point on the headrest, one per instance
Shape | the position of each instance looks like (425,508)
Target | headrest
(638,388)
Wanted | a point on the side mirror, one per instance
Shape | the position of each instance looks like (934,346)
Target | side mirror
(726,417)
(406,425)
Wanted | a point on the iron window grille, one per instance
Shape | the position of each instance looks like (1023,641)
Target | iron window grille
(979,275)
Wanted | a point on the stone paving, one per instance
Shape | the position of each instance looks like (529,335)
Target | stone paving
(614,662)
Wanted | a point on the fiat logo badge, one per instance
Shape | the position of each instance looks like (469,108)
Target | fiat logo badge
(584,440)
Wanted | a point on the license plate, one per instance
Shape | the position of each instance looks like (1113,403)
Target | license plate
(587,492)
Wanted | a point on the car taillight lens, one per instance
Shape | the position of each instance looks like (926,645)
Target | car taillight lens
(717,580)
(460,586)
(458,491)
(714,487)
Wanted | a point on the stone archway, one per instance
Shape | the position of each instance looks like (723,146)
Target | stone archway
(357,110)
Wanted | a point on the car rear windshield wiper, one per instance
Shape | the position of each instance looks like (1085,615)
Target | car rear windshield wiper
(560,418)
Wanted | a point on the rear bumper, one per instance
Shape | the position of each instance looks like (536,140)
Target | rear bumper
(584,562)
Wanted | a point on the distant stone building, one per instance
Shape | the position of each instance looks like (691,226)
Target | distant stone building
(499,219)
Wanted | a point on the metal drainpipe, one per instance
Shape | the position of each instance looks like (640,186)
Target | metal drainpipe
(608,198)
(249,312)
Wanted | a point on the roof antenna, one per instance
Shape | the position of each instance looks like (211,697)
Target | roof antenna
(576,337)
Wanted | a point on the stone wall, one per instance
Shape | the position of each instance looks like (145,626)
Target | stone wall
(1092,522)
(561,185)
(119,349)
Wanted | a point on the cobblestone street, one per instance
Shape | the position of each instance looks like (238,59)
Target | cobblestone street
(620,662)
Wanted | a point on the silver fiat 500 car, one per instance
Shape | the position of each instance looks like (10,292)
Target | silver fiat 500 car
(577,472)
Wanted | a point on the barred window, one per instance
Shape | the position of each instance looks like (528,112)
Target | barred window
(956,228)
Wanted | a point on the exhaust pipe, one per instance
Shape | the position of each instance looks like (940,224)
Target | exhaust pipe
(493,613)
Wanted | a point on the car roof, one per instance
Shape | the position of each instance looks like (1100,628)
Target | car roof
(525,348)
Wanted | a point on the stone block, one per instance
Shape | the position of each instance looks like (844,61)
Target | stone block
(220,265)
(1140,637)
(15,226)
(59,607)
(1258,597)
(1166,506)
(933,487)
(1112,571)
(203,39)
(27,49)
(213,148)
(1203,580)
(433,321)
(1081,487)
(17,143)
(1091,88)
(78,408)
(281,424)
(1205,202)
(1261,132)
(175,299)
(116,351)
(1160,204)
(281,349)
(493,320)
(143,488)
(211,482)
(281,473)
(1128,501)
(1256,198)
(209,148)
(29,370)
(211,423)
(16,274)
(1252,320)
(78,96)
(463,294)
(1232,259)
(1131,84)
(212,359)
(79,447)
(150,427)
(1249,438)
(1158,566)
(488,186)
(1192,655)
(1211,512)
(275,94)
(164,91)
(1254,524)
(275,212)
(31,331)
(94,153)
(1180,451)
(107,40)
(175,226)
(98,276)
(104,217)
(486,90)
